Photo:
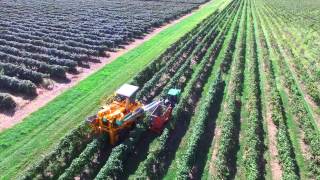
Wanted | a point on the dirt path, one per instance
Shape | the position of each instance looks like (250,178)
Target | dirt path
(272,146)
(26,107)
(212,169)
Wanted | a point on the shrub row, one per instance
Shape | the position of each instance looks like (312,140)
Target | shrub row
(84,158)
(134,135)
(154,67)
(21,72)
(11,84)
(214,88)
(284,145)
(190,155)
(54,163)
(6,102)
(253,141)
(35,53)
(181,57)
(63,45)
(207,50)
(232,106)
(114,166)
(184,108)
(301,65)
(41,43)
(298,107)
(53,70)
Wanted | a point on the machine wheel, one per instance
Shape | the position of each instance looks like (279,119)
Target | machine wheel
(123,134)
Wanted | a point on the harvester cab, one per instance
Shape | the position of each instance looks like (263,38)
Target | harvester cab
(125,94)
(123,112)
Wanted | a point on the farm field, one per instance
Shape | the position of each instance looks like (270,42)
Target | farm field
(36,52)
(84,99)
(249,74)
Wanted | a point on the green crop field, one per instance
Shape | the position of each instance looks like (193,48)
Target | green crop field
(27,142)
(249,74)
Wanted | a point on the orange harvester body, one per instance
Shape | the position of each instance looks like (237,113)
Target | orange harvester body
(111,118)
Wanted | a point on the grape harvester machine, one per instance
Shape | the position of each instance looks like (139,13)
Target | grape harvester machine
(124,112)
